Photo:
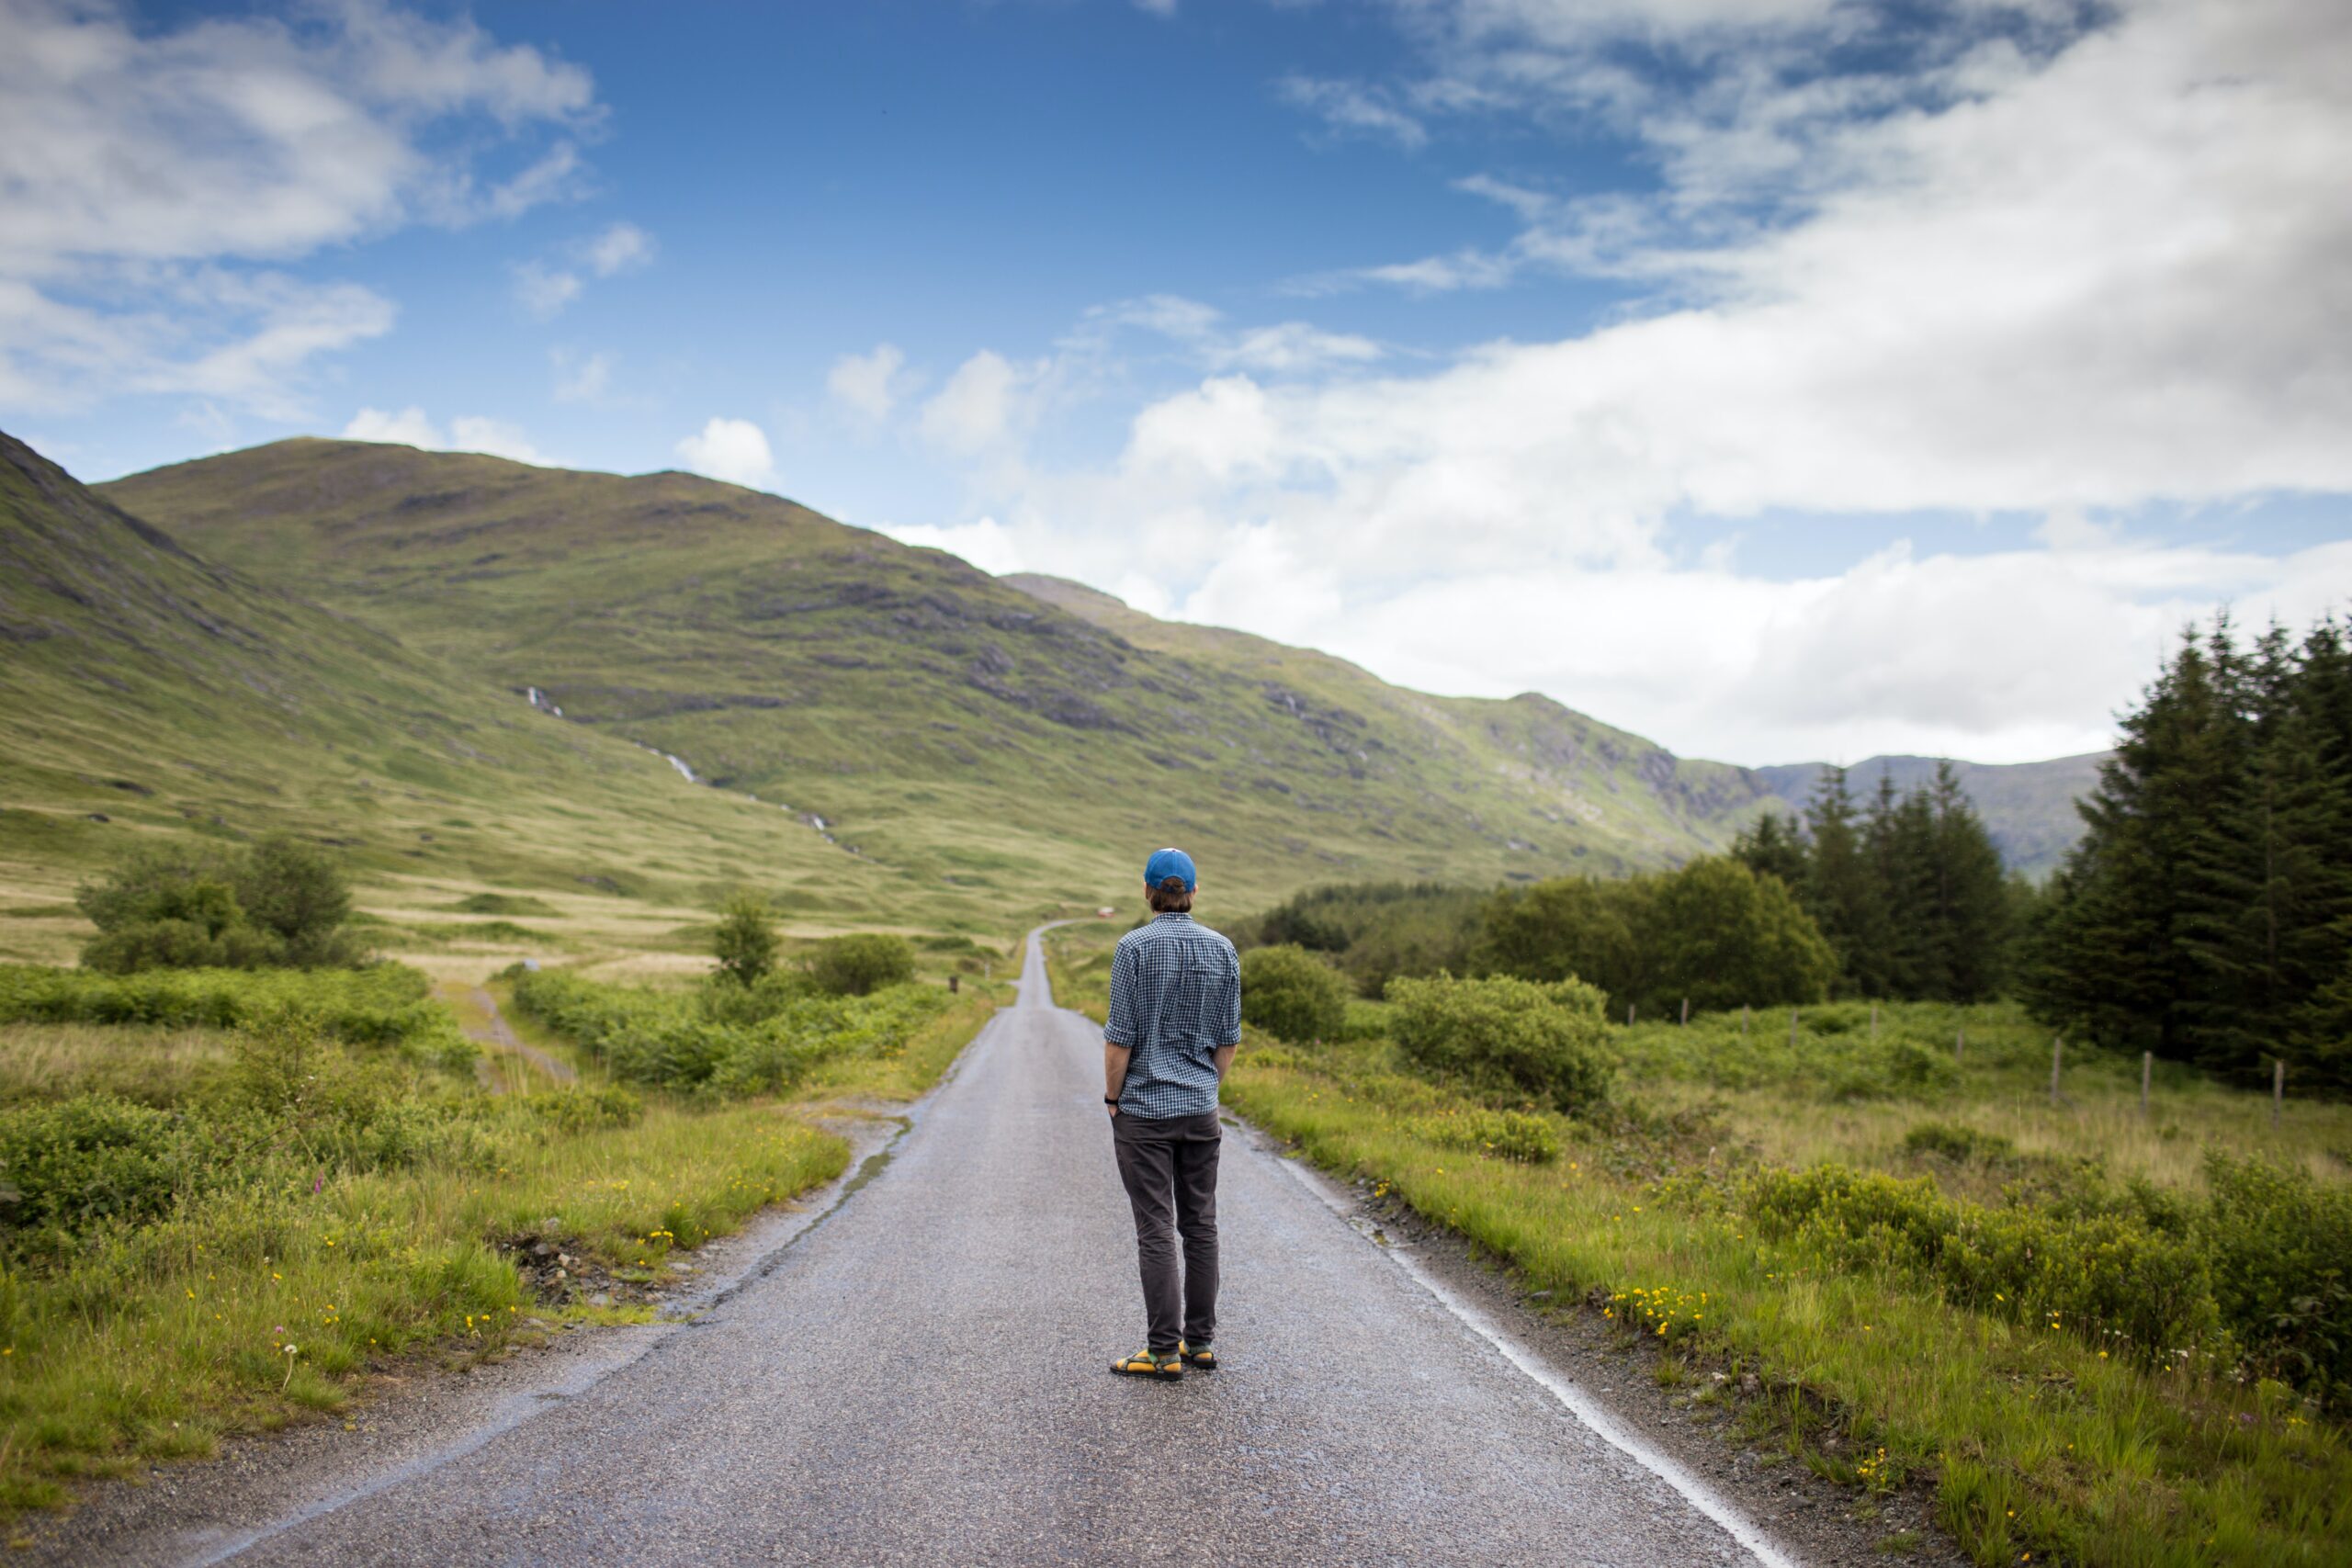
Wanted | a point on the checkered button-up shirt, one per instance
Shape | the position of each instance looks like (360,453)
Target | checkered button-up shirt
(1175,999)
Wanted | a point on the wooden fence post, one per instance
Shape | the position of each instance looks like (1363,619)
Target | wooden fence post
(952,982)
(1686,1012)
(2277,1089)
(2057,1053)
(2147,1067)
(1874,1020)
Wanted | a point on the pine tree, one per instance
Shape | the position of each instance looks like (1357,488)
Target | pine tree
(2115,963)
(1840,891)
(1974,901)
(1771,847)
(1899,847)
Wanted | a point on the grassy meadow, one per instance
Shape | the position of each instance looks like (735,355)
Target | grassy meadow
(225,1215)
(1896,1263)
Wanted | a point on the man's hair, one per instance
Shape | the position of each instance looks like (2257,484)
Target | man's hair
(1170,898)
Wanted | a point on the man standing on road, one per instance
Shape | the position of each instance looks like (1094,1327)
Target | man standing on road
(1175,1019)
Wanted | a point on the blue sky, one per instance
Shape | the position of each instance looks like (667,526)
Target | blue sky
(1776,377)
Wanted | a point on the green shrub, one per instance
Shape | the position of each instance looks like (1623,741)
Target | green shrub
(1548,1042)
(723,1038)
(1961,1145)
(2281,1246)
(745,943)
(1513,1136)
(501,904)
(1292,994)
(725,1002)
(1712,934)
(202,906)
(859,964)
(385,1005)
(2105,1275)
(91,1159)
(582,1108)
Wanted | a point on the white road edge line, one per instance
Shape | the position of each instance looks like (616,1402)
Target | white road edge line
(1697,1492)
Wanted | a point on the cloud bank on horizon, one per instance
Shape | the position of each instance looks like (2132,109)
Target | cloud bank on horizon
(1927,368)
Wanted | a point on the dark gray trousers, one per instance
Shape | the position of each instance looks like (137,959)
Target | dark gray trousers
(1169,1167)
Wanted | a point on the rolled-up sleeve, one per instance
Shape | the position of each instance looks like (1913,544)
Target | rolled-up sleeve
(1119,1027)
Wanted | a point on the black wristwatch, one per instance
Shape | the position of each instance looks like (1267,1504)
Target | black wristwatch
(1110,1100)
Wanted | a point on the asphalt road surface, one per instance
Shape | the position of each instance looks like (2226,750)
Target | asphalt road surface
(922,1378)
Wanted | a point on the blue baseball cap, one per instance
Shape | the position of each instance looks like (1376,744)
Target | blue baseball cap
(1165,864)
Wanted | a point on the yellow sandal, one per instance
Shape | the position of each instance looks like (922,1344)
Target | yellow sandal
(1149,1364)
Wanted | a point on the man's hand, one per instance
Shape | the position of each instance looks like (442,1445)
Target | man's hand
(1114,1074)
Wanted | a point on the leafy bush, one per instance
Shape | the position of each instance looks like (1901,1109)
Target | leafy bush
(201,906)
(1375,931)
(1829,1058)
(384,1005)
(1712,934)
(1513,1136)
(1961,1145)
(1548,1042)
(722,1038)
(90,1158)
(2107,1276)
(584,1107)
(861,963)
(501,904)
(1292,994)
(2281,1246)
(745,943)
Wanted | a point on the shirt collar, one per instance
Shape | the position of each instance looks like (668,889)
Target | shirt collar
(1171,915)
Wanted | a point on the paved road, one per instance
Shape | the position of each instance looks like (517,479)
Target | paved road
(922,1379)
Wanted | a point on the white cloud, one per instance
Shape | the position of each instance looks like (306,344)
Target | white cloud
(1350,108)
(496,436)
(140,167)
(987,544)
(545,291)
(976,410)
(2073,280)
(869,385)
(1157,7)
(1201,329)
(409,427)
(734,450)
(579,380)
(624,247)
(1292,346)
(1528,203)
(467,433)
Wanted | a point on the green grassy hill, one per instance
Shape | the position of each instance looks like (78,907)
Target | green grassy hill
(460,667)
(962,731)
(144,689)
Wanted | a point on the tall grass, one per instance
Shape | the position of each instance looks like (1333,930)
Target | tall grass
(2034,1439)
(257,1302)
(218,1230)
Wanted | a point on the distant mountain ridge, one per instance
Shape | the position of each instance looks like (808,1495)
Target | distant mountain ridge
(1005,737)
(2029,807)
